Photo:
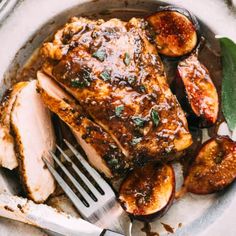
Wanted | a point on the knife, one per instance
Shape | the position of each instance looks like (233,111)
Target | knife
(47,218)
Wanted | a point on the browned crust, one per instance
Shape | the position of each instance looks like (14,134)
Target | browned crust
(5,100)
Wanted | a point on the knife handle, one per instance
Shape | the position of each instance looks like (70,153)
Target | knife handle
(107,232)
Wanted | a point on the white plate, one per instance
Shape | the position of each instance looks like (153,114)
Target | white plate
(34,20)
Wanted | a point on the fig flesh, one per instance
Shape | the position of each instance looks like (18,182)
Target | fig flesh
(176,31)
(196,92)
(148,191)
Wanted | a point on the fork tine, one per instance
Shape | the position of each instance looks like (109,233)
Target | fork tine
(84,194)
(103,187)
(86,181)
(71,195)
(98,179)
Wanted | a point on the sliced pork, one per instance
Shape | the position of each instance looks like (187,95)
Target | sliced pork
(7,153)
(99,147)
(34,138)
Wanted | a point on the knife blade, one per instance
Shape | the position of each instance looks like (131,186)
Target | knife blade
(48,218)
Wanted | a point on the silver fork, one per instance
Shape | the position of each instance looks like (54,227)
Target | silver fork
(98,204)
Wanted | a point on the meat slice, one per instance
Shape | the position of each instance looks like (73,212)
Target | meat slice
(7,153)
(115,73)
(99,147)
(34,138)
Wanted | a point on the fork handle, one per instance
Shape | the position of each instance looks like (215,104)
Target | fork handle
(107,232)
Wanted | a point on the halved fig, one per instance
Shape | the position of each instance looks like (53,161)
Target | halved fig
(148,191)
(176,31)
(196,92)
(214,167)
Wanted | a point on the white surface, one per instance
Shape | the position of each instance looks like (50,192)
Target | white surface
(214,12)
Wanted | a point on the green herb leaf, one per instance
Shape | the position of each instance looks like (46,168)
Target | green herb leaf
(138,121)
(142,88)
(131,79)
(155,117)
(76,83)
(100,55)
(136,140)
(127,59)
(228,52)
(105,75)
(113,162)
(118,110)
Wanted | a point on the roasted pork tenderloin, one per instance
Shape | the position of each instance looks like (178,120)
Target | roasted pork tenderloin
(100,148)
(113,69)
(34,138)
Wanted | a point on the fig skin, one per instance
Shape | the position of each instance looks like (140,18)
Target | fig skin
(148,192)
(214,167)
(176,31)
(196,92)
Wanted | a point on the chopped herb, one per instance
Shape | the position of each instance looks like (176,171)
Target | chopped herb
(100,55)
(138,121)
(142,88)
(131,79)
(119,110)
(85,73)
(83,78)
(105,75)
(113,162)
(136,141)
(127,59)
(76,83)
(155,117)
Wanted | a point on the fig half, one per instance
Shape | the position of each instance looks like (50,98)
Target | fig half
(214,167)
(148,191)
(196,92)
(176,31)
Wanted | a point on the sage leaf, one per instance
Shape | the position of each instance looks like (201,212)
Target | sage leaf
(228,53)
(76,83)
(100,55)
(155,117)
(127,59)
(105,76)
(138,121)
(136,141)
(119,110)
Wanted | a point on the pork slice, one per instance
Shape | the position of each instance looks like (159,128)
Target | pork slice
(7,153)
(100,148)
(34,138)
